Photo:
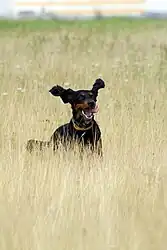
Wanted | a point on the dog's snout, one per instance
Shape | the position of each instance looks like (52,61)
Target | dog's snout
(91,104)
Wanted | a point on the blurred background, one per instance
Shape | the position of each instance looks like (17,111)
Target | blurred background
(81,9)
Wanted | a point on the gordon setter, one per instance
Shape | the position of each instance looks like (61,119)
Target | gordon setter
(82,128)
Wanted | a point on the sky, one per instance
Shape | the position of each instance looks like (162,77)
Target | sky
(147,5)
(156,5)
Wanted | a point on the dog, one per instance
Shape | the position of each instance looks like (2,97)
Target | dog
(82,128)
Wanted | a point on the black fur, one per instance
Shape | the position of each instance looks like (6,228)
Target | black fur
(81,129)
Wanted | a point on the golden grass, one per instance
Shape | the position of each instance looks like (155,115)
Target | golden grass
(60,202)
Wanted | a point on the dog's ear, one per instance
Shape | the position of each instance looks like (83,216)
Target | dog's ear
(65,94)
(99,84)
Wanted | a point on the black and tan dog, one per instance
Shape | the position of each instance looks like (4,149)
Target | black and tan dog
(82,128)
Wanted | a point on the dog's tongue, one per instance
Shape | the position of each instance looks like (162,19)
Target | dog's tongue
(96,109)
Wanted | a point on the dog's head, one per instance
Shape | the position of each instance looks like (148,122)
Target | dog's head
(83,102)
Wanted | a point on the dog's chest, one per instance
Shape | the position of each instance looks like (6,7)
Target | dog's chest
(84,136)
(68,134)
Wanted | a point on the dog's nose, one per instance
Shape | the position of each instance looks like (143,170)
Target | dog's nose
(91,104)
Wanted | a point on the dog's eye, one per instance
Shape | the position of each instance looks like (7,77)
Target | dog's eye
(81,96)
(90,94)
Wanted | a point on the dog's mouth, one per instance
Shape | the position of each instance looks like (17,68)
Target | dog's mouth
(89,112)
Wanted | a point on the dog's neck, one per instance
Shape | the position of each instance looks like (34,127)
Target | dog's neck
(80,126)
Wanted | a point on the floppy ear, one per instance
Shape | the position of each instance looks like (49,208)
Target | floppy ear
(99,84)
(65,94)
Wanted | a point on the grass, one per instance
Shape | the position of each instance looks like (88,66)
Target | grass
(115,23)
(62,202)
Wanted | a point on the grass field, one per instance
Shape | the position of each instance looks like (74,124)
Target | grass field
(60,202)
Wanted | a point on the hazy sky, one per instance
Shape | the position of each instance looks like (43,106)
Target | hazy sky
(147,5)
(156,5)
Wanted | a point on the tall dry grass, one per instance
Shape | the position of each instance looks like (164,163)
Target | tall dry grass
(60,202)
